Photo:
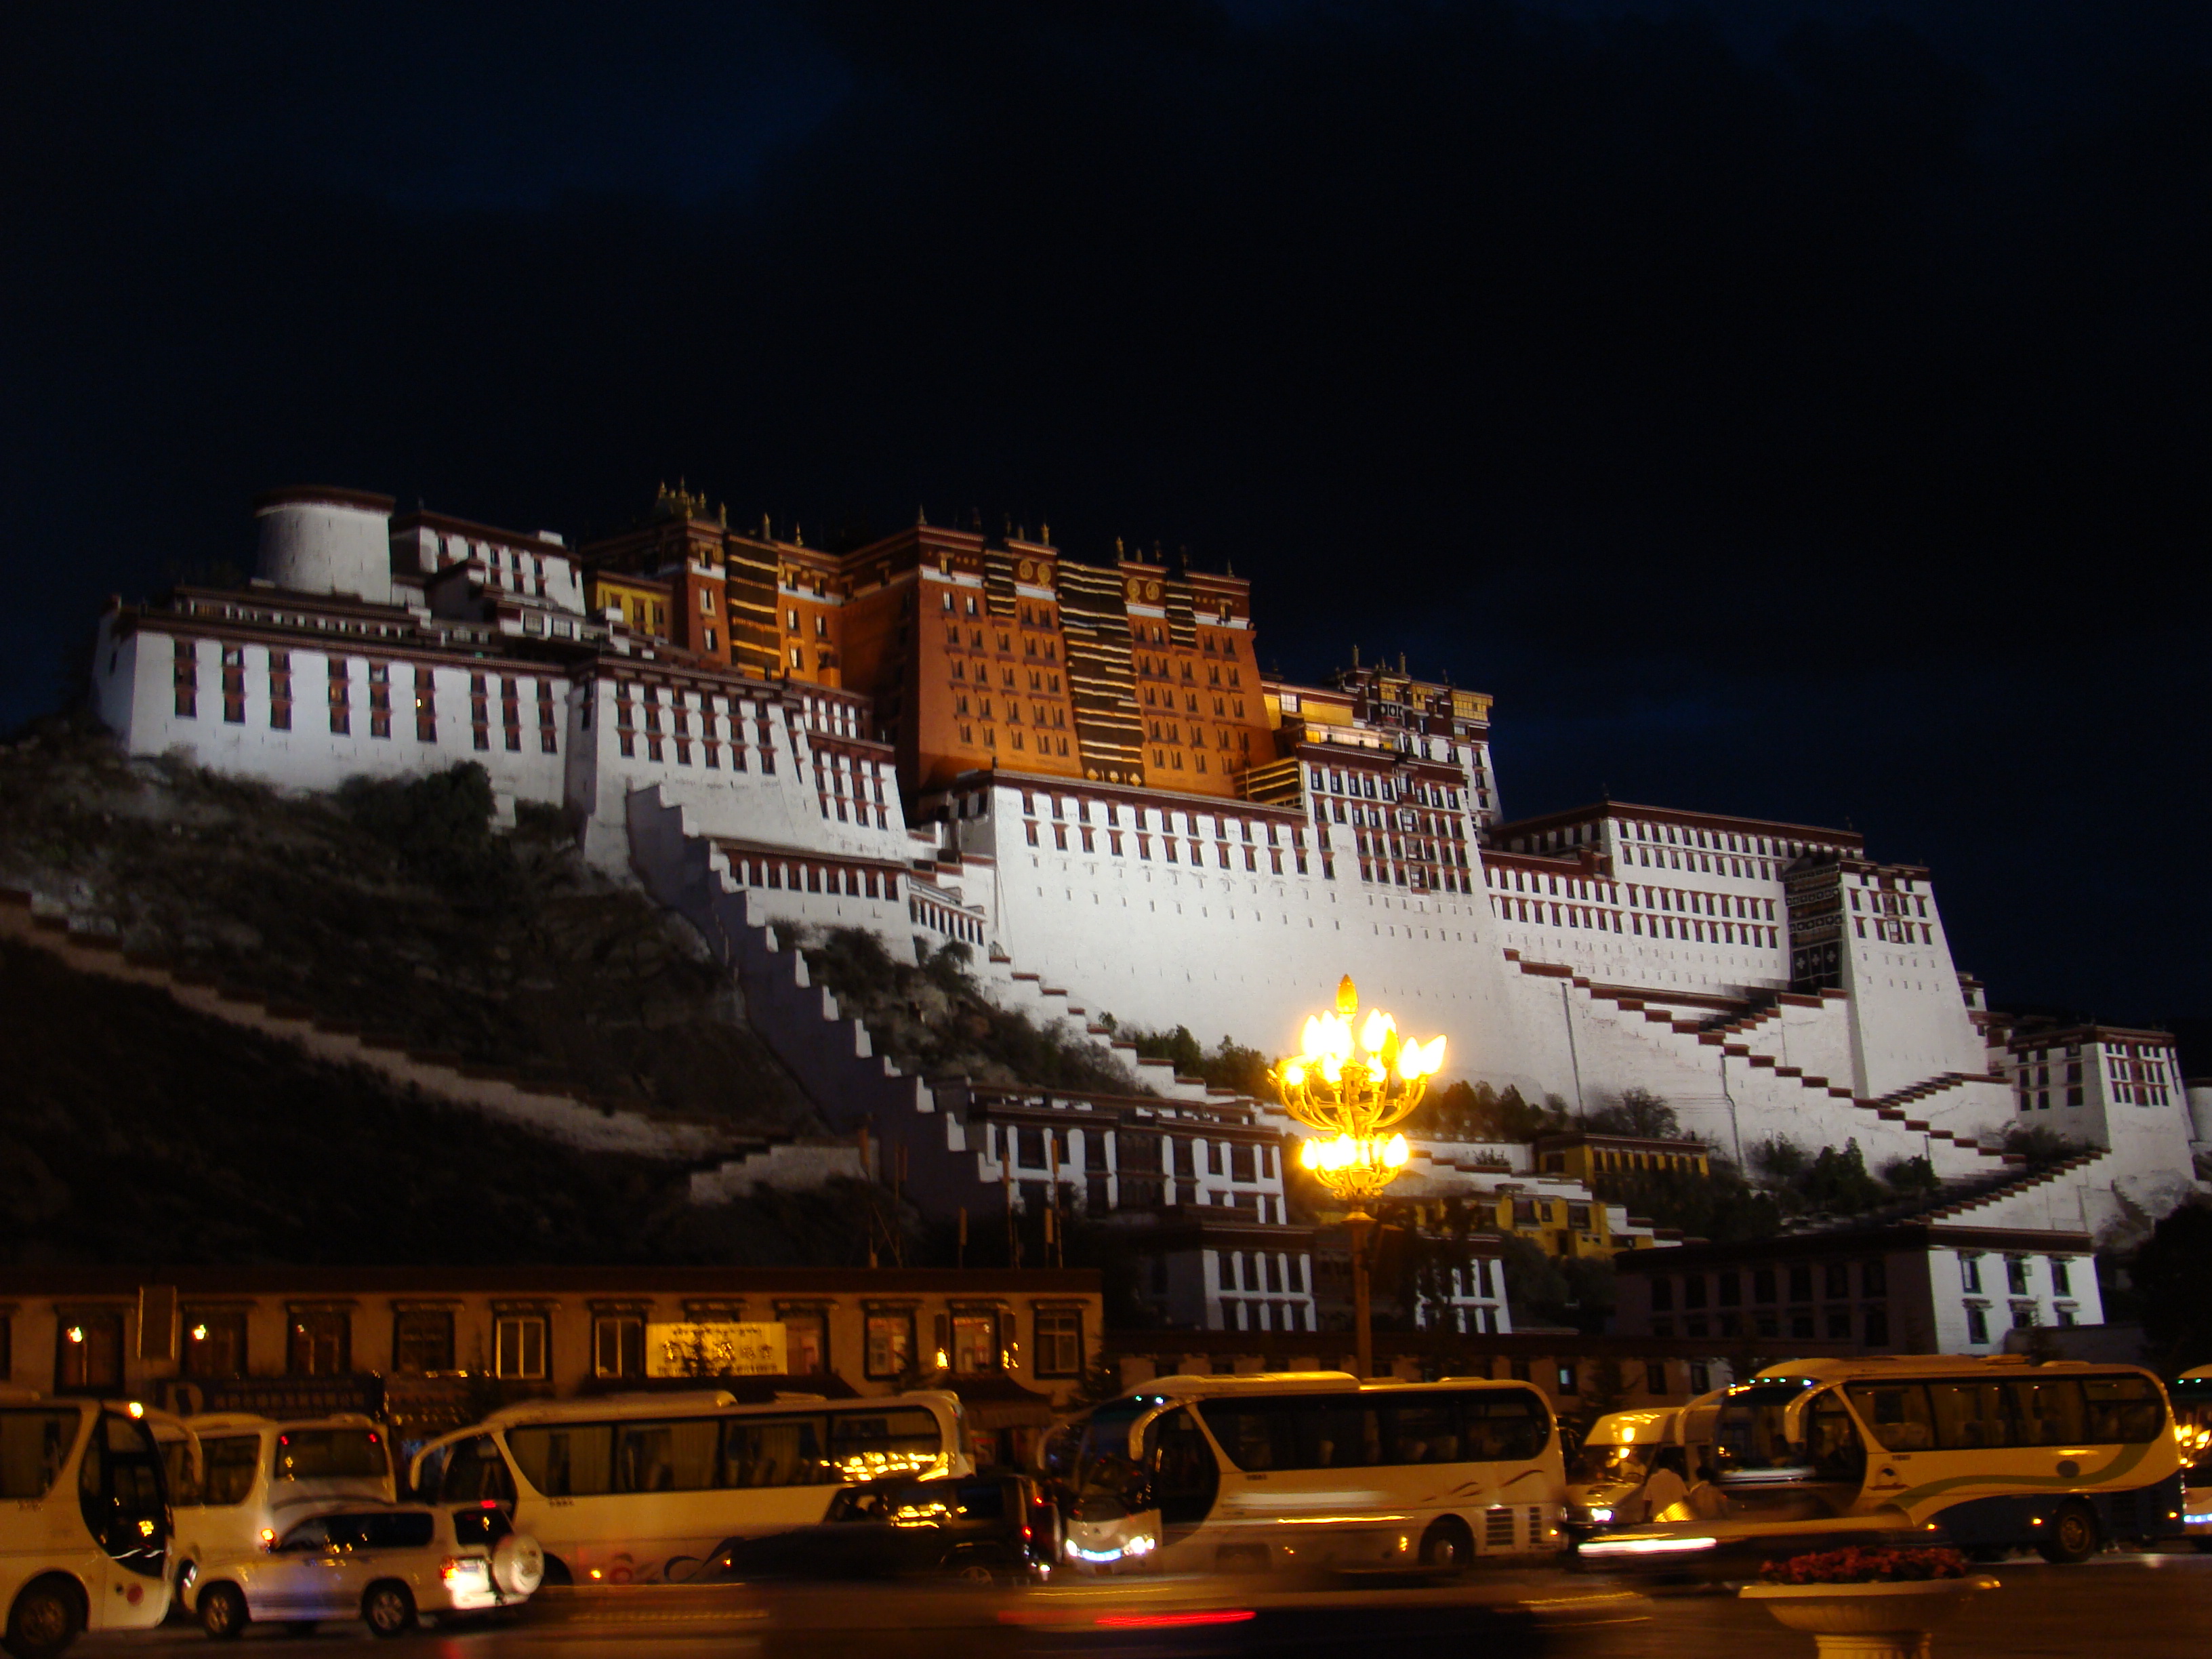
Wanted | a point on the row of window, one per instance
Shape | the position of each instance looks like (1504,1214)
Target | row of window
(89,1344)
(812,875)
(1835,1324)
(185,676)
(1271,1271)
(2019,1271)
(1728,1289)
(1047,744)
(1087,839)
(1132,1152)
(1379,786)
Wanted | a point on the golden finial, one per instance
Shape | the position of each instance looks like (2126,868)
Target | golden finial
(1347,997)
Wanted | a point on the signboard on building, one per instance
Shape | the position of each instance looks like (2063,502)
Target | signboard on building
(714,1350)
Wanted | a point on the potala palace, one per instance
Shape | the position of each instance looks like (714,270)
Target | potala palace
(1079,770)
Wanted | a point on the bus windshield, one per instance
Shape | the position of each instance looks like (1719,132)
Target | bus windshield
(1612,1466)
(34,1443)
(2192,1422)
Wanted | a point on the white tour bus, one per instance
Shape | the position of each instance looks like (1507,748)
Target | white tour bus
(639,1488)
(1999,1453)
(84,1521)
(1634,1466)
(1312,1468)
(255,1472)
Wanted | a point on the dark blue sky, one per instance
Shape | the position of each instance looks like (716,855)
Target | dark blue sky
(1798,410)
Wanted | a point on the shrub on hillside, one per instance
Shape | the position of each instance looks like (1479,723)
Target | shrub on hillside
(934,1018)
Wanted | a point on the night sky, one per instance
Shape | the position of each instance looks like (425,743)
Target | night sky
(1787,408)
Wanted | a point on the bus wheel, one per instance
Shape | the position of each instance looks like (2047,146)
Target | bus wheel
(223,1612)
(557,1573)
(44,1620)
(2073,1537)
(1448,1545)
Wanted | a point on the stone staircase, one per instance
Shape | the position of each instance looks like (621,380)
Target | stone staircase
(830,1052)
(1684,1053)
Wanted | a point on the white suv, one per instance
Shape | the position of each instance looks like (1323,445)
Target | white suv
(383,1563)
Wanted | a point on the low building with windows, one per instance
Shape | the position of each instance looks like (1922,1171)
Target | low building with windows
(433,1348)
(1951,1275)
(1582,1155)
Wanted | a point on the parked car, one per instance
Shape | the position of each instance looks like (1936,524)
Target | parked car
(985,1529)
(385,1564)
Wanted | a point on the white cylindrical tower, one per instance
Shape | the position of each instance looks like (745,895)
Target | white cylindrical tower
(316,540)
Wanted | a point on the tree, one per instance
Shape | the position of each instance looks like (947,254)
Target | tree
(1839,1183)
(1906,1175)
(2170,1272)
(1477,1111)
(1229,1066)
(1638,1112)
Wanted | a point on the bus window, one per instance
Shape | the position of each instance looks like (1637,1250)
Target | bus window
(1969,1415)
(330,1454)
(476,1471)
(865,1444)
(1185,1476)
(772,1451)
(228,1463)
(1503,1425)
(562,1460)
(2123,1410)
(2049,1411)
(33,1446)
(1896,1413)
(1426,1430)
(1832,1440)
(1751,1433)
(678,1455)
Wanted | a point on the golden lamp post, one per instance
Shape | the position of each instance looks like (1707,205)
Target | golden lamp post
(1354,1082)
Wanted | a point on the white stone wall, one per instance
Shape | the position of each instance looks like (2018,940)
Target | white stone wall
(134,691)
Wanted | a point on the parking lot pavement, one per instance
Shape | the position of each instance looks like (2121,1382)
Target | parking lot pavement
(2156,1606)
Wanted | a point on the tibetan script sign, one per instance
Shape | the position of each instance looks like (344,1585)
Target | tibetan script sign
(714,1350)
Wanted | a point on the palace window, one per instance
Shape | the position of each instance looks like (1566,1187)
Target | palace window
(214,1342)
(422,1340)
(340,694)
(889,1347)
(426,707)
(519,1347)
(280,690)
(233,684)
(380,700)
(88,1354)
(319,1342)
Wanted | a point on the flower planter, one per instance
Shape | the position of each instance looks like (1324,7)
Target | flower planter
(1869,1621)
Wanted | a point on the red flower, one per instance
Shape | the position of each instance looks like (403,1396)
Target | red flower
(1859,1565)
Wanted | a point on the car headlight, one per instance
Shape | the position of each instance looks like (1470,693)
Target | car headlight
(1601,1516)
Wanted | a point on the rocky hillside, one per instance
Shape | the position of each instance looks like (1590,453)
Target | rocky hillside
(395,908)
(134,1130)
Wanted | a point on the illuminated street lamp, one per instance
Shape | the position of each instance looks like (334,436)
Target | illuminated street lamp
(1352,1083)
